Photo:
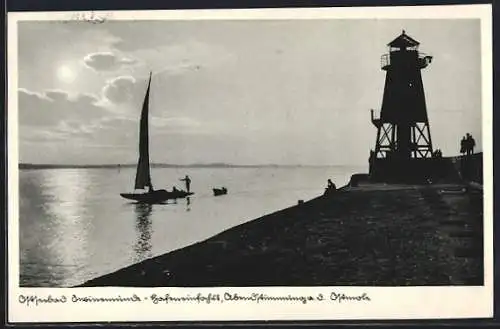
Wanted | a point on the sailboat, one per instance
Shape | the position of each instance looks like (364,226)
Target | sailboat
(144,191)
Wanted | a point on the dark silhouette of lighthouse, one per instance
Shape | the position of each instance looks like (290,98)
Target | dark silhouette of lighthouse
(403,133)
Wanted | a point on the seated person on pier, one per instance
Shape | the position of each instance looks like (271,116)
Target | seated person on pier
(330,187)
(437,154)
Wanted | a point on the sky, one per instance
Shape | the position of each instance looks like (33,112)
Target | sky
(241,92)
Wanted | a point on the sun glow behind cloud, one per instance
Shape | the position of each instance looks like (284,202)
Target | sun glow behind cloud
(66,73)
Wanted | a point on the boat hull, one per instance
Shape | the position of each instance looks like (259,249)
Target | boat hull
(218,191)
(156,196)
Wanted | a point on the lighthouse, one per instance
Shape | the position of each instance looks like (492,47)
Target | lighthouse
(403,144)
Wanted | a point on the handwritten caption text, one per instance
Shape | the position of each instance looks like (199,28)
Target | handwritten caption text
(198,298)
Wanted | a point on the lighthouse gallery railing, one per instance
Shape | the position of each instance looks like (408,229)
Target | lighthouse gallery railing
(423,59)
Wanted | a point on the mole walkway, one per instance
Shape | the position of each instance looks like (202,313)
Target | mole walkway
(370,235)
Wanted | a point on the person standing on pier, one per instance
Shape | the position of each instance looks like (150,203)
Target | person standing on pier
(471,143)
(187,180)
(462,145)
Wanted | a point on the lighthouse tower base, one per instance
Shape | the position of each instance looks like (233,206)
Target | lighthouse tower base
(412,171)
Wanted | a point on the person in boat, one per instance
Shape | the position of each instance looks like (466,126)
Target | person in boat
(175,190)
(187,180)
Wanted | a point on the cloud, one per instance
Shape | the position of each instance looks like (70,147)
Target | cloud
(57,95)
(107,61)
(27,95)
(50,108)
(122,89)
(57,115)
(174,122)
(33,134)
(180,125)
(56,126)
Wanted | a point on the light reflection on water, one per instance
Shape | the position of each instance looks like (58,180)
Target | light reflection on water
(142,248)
(74,225)
(62,214)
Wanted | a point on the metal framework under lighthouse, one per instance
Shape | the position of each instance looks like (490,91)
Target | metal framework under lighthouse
(403,130)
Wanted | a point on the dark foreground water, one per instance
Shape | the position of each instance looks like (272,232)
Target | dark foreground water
(74,226)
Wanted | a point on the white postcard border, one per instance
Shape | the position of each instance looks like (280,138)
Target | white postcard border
(385,302)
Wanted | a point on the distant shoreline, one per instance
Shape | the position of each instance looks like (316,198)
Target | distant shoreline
(30,166)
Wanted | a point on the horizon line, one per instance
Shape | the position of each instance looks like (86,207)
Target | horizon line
(26,165)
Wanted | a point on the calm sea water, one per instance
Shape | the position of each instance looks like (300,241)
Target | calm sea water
(74,226)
